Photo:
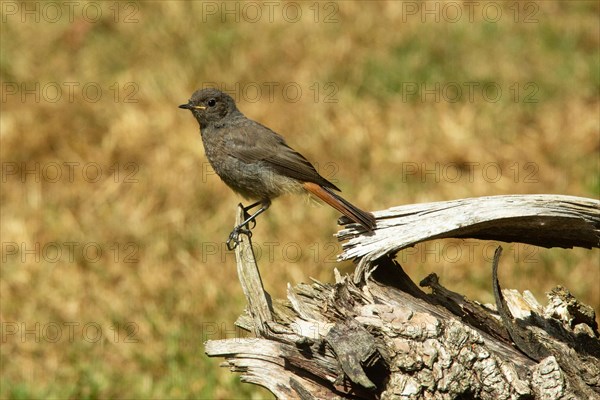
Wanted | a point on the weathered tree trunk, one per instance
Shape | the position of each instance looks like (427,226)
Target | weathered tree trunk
(375,334)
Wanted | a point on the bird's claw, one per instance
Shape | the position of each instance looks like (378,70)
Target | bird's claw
(234,237)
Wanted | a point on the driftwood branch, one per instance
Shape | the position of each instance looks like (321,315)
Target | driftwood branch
(540,220)
(375,334)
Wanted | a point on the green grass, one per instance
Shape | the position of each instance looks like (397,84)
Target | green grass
(160,217)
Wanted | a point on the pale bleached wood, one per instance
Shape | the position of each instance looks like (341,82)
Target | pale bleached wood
(256,296)
(542,220)
(378,336)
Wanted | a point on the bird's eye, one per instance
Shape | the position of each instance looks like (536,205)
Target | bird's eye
(212,102)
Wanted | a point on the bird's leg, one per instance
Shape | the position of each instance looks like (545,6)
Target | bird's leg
(233,240)
(247,215)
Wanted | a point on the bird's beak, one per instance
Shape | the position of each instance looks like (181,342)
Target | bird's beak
(190,106)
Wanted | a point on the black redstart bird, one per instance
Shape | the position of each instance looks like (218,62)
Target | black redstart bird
(257,163)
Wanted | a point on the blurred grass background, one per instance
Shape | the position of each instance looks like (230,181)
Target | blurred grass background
(163,282)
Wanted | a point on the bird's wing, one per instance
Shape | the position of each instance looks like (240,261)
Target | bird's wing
(255,142)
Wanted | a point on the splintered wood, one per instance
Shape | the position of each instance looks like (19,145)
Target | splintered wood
(374,334)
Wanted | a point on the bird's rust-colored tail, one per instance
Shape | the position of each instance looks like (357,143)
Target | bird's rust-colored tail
(367,220)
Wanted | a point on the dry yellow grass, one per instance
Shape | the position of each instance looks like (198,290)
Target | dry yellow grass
(163,281)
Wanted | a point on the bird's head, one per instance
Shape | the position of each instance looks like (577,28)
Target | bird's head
(210,106)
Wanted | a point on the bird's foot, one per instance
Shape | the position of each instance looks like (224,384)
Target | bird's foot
(234,236)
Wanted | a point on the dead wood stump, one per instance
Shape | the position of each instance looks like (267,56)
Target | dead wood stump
(376,335)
